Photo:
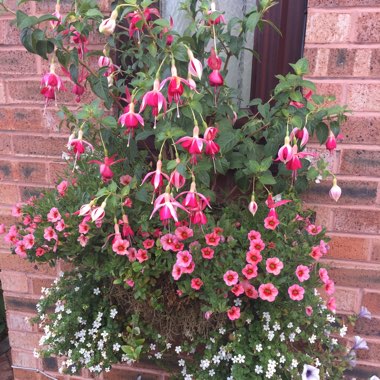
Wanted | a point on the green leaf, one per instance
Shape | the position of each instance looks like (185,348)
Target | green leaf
(204,177)
(222,165)
(322,132)
(144,135)
(99,86)
(74,73)
(152,49)
(252,21)
(267,179)
(162,22)
(109,121)
(94,13)
(266,164)
(44,47)
(26,39)
(227,141)
(301,67)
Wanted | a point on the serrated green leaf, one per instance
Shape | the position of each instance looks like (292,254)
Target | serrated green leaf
(322,132)
(162,22)
(252,21)
(267,179)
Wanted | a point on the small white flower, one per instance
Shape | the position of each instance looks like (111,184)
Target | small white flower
(116,347)
(259,369)
(298,330)
(343,331)
(294,363)
(248,321)
(211,372)
(96,291)
(259,347)
(222,331)
(205,364)
(181,363)
(158,355)
(238,302)
(317,362)
(290,325)
(113,313)
(178,349)
(152,347)
(312,339)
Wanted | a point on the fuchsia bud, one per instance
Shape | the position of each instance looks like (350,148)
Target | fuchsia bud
(195,66)
(214,61)
(216,79)
(331,142)
(335,191)
(253,207)
(107,26)
(285,154)
(104,61)
(219,19)
(177,179)
(57,14)
(98,213)
(300,134)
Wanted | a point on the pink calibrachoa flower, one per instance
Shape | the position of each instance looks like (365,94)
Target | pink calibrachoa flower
(316,253)
(271,222)
(184,233)
(184,259)
(190,269)
(16,210)
(300,134)
(309,311)
(238,290)
(207,253)
(125,180)
(62,188)
(83,240)
(142,255)
(168,241)
(105,167)
(12,235)
(233,313)
(154,99)
(60,225)
(324,247)
(83,227)
(130,283)
(208,315)
(50,234)
(40,251)
(323,275)
(196,283)
(21,249)
(302,273)
(253,257)
(254,235)
(331,304)
(132,253)
(177,272)
(195,65)
(296,292)
(29,241)
(257,245)
(250,271)
(167,206)
(212,239)
(120,246)
(250,291)
(329,287)
(268,292)
(54,215)
(231,278)
(148,243)
(27,220)
(313,229)
(274,266)
(285,153)
(157,176)
(335,191)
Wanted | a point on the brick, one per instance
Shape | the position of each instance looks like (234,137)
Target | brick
(368,28)
(50,364)
(363,97)
(6,170)
(22,374)
(350,248)
(39,145)
(23,358)
(360,162)
(363,372)
(362,130)
(342,3)
(117,374)
(331,89)
(5,144)
(328,27)
(9,34)
(355,276)
(23,340)
(353,192)
(39,282)
(47,6)
(2,92)
(341,62)
(323,214)
(318,61)
(363,62)
(32,172)
(367,327)
(375,63)
(371,355)
(19,321)
(347,300)
(376,251)
(28,191)
(357,221)
(21,119)
(14,282)
(57,171)
(8,194)
(372,301)
(20,304)
(16,62)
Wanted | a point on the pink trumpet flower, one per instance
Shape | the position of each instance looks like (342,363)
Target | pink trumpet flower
(79,145)
(105,167)
(253,207)
(300,134)
(167,206)
(331,142)
(192,198)
(335,191)
(154,99)
(195,65)
(285,153)
(157,176)
(193,145)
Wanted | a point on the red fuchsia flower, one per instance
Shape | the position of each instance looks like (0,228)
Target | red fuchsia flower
(184,233)
(331,304)
(194,144)
(79,145)
(176,178)
(316,253)
(175,88)
(212,239)
(196,283)
(50,84)
(130,119)
(238,290)
(274,266)
(184,259)
(331,142)
(253,257)
(257,245)
(250,271)
(54,215)
(136,17)
(268,292)
(323,275)
(300,134)
(50,234)
(168,241)
(207,253)
(271,222)
(108,25)
(193,198)
(295,163)
(197,216)
(98,213)
(313,229)
(302,273)
(335,191)
(166,31)
(231,278)
(309,311)
(216,79)
(195,65)
(177,272)
(212,148)
(21,249)
(148,243)
(217,20)
(285,153)
(167,206)
(253,207)
(233,313)
(142,255)
(296,292)
(158,176)
(29,241)
(120,246)
(17,210)
(62,188)
(329,287)
(253,235)
(105,167)
(154,99)
(215,63)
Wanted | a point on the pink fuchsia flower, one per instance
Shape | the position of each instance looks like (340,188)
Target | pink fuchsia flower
(331,304)
(219,19)
(105,167)
(83,240)
(175,88)
(29,241)
(137,22)
(212,239)
(335,191)
(250,291)
(184,233)
(154,99)
(250,271)
(254,235)
(323,275)
(98,213)
(253,257)
(196,283)
(296,292)
(177,272)
(50,234)
(216,79)
(126,230)
(158,176)
(142,255)
(168,241)
(197,215)
(300,134)
(194,144)
(148,243)
(212,148)
(331,142)
(62,188)
(285,153)
(316,253)
(274,266)
(130,119)
(238,290)
(79,145)
(295,163)
(253,207)
(17,210)
(309,311)
(193,198)
(313,229)
(257,245)
(231,278)
(268,292)
(120,246)
(214,61)
(50,84)
(195,66)
(184,259)
(60,225)
(207,253)
(54,215)
(302,273)
(176,178)
(271,222)
(20,249)
(167,206)
(104,61)
(233,313)
(329,287)
(108,25)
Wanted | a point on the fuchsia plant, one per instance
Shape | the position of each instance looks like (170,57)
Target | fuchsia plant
(167,209)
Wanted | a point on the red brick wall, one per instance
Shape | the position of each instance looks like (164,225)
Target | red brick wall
(343,46)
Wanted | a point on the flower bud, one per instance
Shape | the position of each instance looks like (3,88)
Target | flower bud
(107,26)
(252,207)
(335,191)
